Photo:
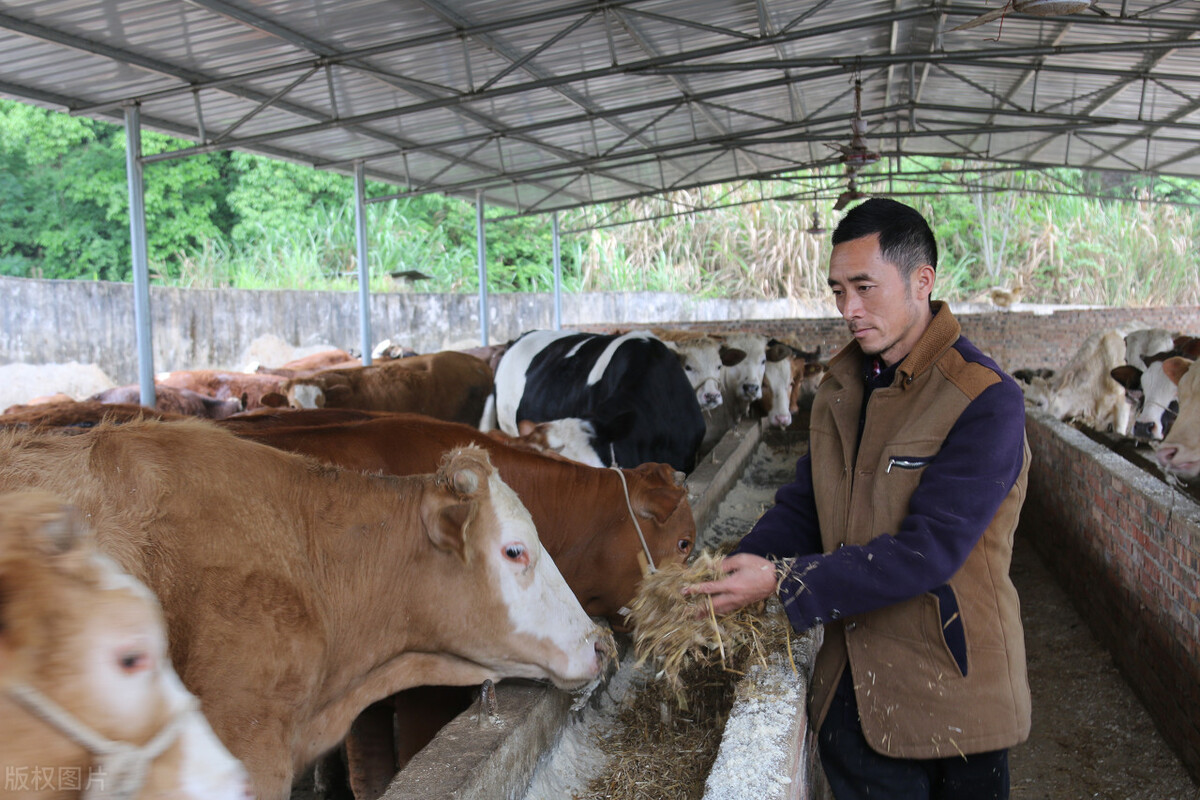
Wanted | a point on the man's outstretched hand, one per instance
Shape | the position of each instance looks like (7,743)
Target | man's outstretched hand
(748,579)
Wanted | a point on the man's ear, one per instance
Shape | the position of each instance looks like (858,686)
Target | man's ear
(923,278)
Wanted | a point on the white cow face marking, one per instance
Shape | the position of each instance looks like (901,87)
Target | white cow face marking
(778,378)
(701,361)
(744,380)
(306,395)
(541,607)
(1158,392)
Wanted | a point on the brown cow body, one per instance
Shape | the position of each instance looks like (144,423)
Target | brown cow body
(246,387)
(297,594)
(448,385)
(172,400)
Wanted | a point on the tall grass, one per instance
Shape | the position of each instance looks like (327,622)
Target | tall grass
(1046,248)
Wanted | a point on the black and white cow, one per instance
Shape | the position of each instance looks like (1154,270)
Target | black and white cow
(630,388)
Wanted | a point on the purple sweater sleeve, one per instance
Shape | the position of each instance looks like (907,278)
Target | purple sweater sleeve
(958,495)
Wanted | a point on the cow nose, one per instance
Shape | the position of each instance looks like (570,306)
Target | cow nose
(606,649)
(752,391)
(781,420)
(712,399)
(1166,454)
(1143,430)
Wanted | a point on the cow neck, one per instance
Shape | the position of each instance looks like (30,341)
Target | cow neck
(124,764)
(650,568)
(360,674)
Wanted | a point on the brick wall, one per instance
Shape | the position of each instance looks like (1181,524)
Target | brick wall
(1126,548)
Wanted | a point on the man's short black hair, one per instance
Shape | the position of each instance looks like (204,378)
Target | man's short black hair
(905,238)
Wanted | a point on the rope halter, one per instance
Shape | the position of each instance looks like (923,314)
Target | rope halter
(123,765)
(650,568)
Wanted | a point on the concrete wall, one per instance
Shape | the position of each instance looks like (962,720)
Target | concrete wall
(1126,547)
(50,322)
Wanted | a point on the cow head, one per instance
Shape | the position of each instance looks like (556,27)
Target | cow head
(570,437)
(501,603)
(606,572)
(778,382)
(743,379)
(1153,396)
(1179,451)
(702,359)
(1038,393)
(79,635)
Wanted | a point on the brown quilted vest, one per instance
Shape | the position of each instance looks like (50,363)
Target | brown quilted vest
(913,699)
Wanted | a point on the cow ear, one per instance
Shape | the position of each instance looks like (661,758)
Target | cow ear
(337,394)
(449,530)
(1175,367)
(659,504)
(778,351)
(731,356)
(1128,376)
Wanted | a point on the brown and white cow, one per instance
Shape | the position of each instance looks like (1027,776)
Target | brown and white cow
(1179,451)
(447,385)
(172,400)
(296,594)
(1084,388)
(247,387)
(84,674)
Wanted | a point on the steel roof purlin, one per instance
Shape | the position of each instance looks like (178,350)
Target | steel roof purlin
(551,104)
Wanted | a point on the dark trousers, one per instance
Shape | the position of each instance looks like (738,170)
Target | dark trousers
(856,772)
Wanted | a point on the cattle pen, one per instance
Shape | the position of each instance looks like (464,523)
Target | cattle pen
(1098,564)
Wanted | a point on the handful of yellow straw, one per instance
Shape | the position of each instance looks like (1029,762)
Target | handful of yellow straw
(674,630)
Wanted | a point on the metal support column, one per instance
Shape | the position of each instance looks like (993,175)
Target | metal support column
(364,274)
(138,249)
(481,244)
(557,273)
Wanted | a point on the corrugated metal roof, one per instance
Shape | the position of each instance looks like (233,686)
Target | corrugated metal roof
(548,104)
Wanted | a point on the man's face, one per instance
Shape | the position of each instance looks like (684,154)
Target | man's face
(885,312)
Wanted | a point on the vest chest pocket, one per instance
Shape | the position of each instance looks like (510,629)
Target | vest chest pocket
(907,462)
(900,472)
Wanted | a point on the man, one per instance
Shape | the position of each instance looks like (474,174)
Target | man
(897,535)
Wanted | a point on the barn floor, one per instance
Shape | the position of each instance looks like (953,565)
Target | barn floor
(1091,736)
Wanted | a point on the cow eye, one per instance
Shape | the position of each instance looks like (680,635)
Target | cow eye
(134,662)
(684,545)
(516,552)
